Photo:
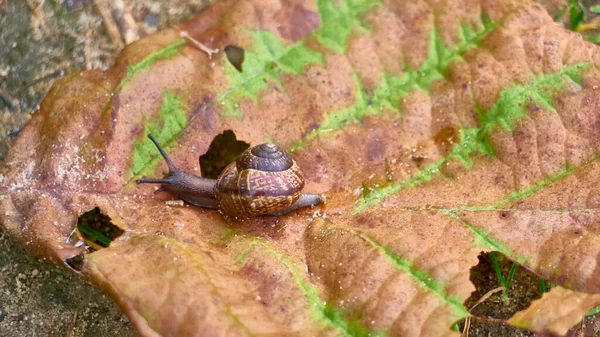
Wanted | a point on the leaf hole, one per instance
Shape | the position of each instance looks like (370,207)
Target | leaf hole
(235,55)
(75,262)
(223,150)
(96,230)
(489,304)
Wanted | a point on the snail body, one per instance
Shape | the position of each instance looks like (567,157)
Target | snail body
(264,180)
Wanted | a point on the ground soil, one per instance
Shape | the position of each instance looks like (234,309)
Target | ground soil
(41,44)
(524,288)
(36,48)
(37,299)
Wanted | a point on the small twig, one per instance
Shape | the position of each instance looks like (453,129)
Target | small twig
(128,26)
(71,332)
(490,320)
(465,332)
(87,53)
(87,44)
(197,43)
(111,26)
(486,296)
(55,73)
(37,20)
(72,34)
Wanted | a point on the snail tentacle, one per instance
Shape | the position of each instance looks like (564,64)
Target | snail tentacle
(172,167)
(264,180)
(190,188)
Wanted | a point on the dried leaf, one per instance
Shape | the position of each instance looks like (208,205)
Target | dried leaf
(436,131)
(557,311)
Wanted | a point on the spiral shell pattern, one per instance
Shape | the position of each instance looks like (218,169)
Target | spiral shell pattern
(264,157)
(263,180)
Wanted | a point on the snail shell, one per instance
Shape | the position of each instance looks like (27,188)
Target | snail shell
(263,180)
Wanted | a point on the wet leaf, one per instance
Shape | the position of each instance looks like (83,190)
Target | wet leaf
(436,131)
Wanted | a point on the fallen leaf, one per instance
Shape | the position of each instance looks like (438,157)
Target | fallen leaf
(557,311)
(435,129)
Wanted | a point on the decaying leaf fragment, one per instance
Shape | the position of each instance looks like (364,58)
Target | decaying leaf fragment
(556,311)
(435,129)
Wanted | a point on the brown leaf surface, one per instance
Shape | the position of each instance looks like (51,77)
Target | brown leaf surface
(435,129)
(557,311)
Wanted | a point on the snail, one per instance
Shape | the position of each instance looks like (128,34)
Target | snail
(264,180)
